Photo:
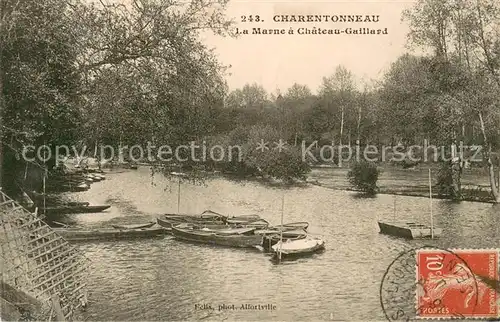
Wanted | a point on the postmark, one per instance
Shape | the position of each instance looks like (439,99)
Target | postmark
(452,284)
(430,282)
(398,288)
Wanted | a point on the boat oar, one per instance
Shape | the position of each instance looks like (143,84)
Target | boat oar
(61,224)
(281,230)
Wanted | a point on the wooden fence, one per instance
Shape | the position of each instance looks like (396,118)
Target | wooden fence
(37,261)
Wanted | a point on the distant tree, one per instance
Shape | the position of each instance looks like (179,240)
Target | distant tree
(298,92)
(339,92)
(363,176)
(251,96)
(259,154)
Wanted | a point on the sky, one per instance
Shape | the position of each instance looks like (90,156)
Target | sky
(278,61)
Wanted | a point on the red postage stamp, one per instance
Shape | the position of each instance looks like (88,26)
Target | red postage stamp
(457,283)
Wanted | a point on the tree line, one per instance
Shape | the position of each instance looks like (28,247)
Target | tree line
(88,73)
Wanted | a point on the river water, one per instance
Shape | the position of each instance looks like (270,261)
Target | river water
(166,279)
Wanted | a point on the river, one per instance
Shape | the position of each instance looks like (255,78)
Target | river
(166,279)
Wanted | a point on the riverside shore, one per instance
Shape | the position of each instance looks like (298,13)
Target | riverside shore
(407,182)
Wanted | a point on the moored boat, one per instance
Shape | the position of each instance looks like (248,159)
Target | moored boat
(286,234)
(258,224)
(134,226)
(299,247)
(272,236)
(83,234)
(244,219)
(77,209)
(408,230)
(230,230)
(293,225)
(411,230)
(170,220)
(206,217)
(76,203)
(168,223)
(164,223)
(228,237)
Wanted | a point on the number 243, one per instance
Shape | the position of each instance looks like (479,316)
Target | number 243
(250,18)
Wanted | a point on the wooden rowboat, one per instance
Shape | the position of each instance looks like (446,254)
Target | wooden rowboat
(79,209)
(222,238)
(207,216)
(134,226)
(230,230)
(77,203)
(299,247)
(167,224)
(258,224)
(409,230)
(293,225)
(286,234)
(82,234)
(240,220)
(271,237)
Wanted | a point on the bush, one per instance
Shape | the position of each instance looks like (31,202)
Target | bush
(448,180)
(363,176)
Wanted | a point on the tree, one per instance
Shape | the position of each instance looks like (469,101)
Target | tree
(94,72)
(251,96)
(38,80)
(339,88)
(294,105)
(298,92)
(464,35)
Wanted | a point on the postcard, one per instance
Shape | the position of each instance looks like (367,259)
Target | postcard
(237,160)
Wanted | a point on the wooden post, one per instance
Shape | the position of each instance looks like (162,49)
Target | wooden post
(56,304)
(281,230)
(2,105)
(394,210)
(430,197)
(178,195)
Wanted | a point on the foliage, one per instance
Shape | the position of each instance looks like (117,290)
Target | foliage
(251,96)
(286,164)
(363,176)
(465,40)
(445,180)
(40,83)
(90,73)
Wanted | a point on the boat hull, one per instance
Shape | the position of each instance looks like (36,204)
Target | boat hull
(408,230)
(212,238)
(134,226)
(168,222)
(293,225)
(72,209)
(301,247)
(73,234)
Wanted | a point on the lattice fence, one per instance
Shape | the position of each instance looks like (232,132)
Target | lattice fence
(39,262)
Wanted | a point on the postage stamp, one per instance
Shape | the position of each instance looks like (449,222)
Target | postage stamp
(457,283)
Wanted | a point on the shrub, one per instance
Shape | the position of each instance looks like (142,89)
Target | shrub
(363,176)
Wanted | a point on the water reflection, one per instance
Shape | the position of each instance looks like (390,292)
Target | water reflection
(164,279)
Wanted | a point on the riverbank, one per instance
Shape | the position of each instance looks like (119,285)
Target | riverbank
(412,182)
(393,180)
(406,182)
